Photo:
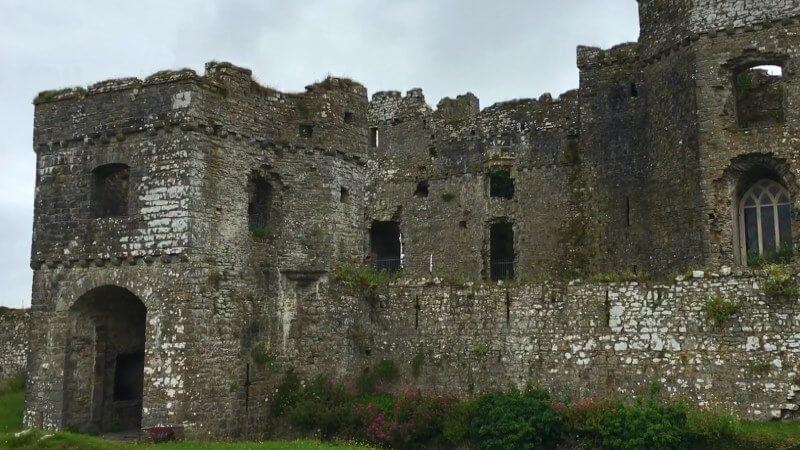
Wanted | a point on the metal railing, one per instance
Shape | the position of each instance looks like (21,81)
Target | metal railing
(390,265)
(502,270)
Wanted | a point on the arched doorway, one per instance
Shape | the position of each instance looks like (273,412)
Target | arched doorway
(104,361)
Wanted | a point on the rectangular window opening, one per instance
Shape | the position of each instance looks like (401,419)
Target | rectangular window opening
(260,204)
(385,246)
(501,251)
(501,185)
(111,186)
(759,96)
(306,130)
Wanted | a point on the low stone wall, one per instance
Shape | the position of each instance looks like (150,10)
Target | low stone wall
(590,339)
(13,341)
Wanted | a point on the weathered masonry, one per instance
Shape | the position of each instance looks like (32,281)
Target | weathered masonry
(189,227)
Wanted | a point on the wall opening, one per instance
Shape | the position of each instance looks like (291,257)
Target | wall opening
(759,96)
(128,376)
(373,137)
(422,189)
(306,130)
(349,117)
(501,251)
(104,362)
(344,195)
(765,223)
(501,185)
(111,186)
(259,205)
(633,89)
(385,246)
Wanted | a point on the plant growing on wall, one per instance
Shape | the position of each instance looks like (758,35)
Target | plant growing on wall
(367,281)
(780,282)
(720,310)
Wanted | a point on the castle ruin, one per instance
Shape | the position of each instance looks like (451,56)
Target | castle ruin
(189,229)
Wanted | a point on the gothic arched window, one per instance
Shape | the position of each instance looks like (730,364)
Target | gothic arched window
(765,221)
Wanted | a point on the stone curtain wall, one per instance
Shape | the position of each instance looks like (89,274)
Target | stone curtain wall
(13,341)
(582,340)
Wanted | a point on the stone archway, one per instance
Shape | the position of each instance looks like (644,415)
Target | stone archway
(104,361)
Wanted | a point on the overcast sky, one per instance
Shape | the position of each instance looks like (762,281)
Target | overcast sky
(497,49)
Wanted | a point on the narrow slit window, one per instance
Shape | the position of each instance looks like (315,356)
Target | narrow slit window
(344,195)
(111,186)
(373,137)
(501,251)
(385,245)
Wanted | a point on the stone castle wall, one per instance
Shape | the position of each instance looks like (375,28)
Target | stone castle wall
(579,340)
(13,341)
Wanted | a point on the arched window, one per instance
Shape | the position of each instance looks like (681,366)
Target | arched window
(765,221)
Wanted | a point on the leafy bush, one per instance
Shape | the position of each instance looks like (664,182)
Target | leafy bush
(383,374)
(327,407)
(719,310)
(368,281)
(643,425)
(288,393)
(517,419)
(261,233)
(781,256)
(780,282)
(457,426)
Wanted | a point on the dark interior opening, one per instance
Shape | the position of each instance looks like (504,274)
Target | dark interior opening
(260,203)
(111,185)
(344,195)
(348,116)
(501,185)
(384,242)
(306,130)
(373,137)
(501,251)
(128,376)
(759,96)
(422,189)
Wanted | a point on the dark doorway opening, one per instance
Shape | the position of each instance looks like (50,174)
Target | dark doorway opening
(104,362)
(385,246)
(501,251)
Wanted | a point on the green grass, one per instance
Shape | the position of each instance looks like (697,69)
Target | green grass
(38,439)
(12,404)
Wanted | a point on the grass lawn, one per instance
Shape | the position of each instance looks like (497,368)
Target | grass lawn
(12,403)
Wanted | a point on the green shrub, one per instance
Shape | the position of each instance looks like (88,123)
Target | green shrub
(327,407)
(367,281)
(288,393)
(448,197)
(517,419)
(457,426)
(383,374)
(781,256)
(780,282)
(643,425)
(720,310)
(417,363)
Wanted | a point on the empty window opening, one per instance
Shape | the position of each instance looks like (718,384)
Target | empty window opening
(111,186)
(306,130)
(634,90)
(128,376)
(422,189)
(373,137)
(385,245)
(260,203)
(759,96)
(462,224)
(501,185)
(432,152)
(765,223)
(416,312)
(344,195)
(501,251)
(508,309)
(349,117)
(472,132)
